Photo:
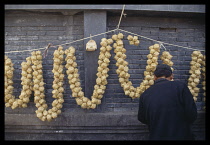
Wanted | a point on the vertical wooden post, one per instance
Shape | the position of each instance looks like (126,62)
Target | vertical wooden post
(94,23)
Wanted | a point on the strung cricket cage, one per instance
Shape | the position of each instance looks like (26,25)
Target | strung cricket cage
(91,45)
(133,40)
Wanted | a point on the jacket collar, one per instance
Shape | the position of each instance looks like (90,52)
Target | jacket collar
(161,80)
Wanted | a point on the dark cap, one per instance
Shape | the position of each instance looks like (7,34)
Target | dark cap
(163,70)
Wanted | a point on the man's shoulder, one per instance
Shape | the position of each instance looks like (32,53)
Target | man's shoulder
(178,83)
(147,90)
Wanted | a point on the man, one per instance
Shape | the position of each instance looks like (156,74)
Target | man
(167,107)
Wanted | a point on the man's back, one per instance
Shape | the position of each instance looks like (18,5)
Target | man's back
(168,108)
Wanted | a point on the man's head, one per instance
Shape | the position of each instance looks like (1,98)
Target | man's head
(163,71)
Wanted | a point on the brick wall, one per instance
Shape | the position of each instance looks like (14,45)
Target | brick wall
(117,120)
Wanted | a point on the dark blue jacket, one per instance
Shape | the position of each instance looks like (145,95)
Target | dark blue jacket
(168,108)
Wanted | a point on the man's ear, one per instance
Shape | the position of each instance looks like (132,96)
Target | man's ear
(171,77)
(155,78)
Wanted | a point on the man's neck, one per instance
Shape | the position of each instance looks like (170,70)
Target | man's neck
(168,78)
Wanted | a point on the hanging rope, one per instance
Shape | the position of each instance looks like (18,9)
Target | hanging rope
(24,50)
(160,41)
(105,33)
(64,43)
(121,17)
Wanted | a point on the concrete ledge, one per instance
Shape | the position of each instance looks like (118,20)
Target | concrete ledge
(85,126)
(85,119)
(75,119)
(171,8)
(72,126)
(76,136)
